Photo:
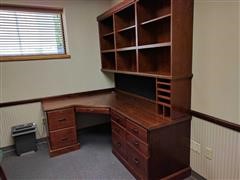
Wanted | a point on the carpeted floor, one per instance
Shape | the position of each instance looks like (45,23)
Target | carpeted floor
(94,161)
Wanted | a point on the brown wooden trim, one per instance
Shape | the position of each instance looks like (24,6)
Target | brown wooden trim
(181,174)
(64,150)
(34,57)
(215,120)
(115,9)
(147,74)
(31,8)
(29,101)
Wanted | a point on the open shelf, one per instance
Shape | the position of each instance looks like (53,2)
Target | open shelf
(126,38)
(106,26)
(136,73)
(108,34)
(126,61)
(126,49)
(157,32)
(155,19)
(107,42)
(155,61)
(108,61)
(155,45)
(152,9)
(125,18)
(127,28)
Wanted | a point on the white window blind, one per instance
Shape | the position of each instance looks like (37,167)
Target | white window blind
(25,33)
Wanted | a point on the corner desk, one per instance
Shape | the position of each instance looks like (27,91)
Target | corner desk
(150,146)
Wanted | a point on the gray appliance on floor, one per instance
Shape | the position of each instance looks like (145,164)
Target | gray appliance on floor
(25,138)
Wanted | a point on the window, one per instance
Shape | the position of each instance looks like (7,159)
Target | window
(30,33)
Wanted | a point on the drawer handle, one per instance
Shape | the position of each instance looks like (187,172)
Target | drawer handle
(61,120)
(135,130)
(136,161)
(135,143)
(64,139)
(118,144)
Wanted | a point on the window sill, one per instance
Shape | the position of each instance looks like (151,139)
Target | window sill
(33,58)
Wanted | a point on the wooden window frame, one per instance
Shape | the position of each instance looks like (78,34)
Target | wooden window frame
(41,56)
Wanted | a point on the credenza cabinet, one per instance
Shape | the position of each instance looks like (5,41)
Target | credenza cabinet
(151,154)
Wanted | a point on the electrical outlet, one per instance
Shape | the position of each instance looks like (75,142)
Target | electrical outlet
(43,121)
(195,146)
(208,153)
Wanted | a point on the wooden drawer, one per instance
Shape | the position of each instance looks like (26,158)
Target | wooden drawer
(63,138)
(118,145)
(137,144)
(98,110)
(138,162)
(137,131)
(117,129)
(119,118)
(59,119)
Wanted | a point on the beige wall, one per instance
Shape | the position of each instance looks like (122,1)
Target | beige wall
(215,59)
(216,86)
(114,2)
(26,80)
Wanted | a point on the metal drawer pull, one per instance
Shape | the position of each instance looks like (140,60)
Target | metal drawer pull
(118,144)
(136,143)
(64,139)
(61,120)
(136,161)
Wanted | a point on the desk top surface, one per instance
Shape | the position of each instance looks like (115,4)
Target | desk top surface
(141,111)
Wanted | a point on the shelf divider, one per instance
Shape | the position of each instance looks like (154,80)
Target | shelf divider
(155,19)
(157,45)
(126,29)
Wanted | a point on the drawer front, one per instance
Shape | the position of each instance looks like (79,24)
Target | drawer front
(137,144)
(119,118)
(99,110)
(61,119)
(138,162)
(118,144)
(137,131)
(117,129)
(63,138)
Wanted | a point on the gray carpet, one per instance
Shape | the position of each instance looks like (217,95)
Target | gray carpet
(94,161)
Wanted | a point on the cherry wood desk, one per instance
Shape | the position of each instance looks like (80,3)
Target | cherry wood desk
(150,146)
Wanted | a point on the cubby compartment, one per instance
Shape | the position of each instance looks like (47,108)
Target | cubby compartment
(107,42)
(164,100)
(156,32)
(126,38)
(106,26)
(153,9)
(164,97)
(108,61)
(155,61)
(126,61)
(125,18)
